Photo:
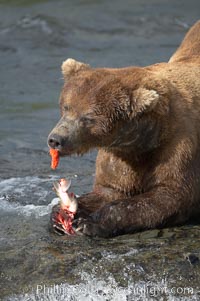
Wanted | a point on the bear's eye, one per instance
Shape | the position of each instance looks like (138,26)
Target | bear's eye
(87,121)
(65,108)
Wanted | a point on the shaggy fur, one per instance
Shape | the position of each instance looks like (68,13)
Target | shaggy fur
(146,124)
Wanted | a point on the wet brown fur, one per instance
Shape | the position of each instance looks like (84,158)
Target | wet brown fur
(146,124)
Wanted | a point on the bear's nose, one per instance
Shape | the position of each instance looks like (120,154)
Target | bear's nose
(55,141)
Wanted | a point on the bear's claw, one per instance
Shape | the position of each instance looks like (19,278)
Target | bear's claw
(90,228)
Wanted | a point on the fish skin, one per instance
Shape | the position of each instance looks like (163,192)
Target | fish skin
(68,201)
(62,221)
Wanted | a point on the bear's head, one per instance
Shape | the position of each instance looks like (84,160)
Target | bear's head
(110,108)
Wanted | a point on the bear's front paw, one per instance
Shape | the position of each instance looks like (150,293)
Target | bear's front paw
(90,228)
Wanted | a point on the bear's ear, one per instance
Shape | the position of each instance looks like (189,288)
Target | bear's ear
(143,100)
(71,67)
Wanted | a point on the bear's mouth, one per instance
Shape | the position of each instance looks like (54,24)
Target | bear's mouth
(66,146)
(69,151)
(66,152)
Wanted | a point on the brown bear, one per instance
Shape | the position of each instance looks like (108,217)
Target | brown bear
(145,123)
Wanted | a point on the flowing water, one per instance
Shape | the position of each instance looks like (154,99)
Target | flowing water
(35,37)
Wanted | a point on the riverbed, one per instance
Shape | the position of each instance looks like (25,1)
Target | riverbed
(35,264)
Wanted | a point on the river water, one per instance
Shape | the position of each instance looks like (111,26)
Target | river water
(35,37)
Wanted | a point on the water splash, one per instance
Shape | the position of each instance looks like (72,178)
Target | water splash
(27,196)
(27,210)
(94,289)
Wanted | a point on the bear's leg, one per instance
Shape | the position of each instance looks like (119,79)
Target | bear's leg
(152,209)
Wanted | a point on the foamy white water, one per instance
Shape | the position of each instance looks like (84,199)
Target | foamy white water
(93,289)
(27,210)
(26,189)
(26,186)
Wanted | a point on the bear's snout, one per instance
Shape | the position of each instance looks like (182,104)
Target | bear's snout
(55,141)
(62,137)
(58,136)
(62,144)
